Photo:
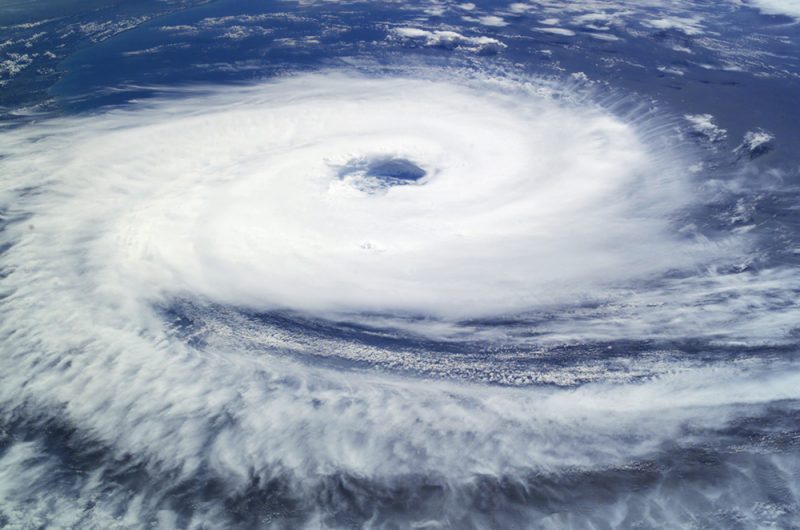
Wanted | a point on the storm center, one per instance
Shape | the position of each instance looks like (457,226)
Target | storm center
(378,174)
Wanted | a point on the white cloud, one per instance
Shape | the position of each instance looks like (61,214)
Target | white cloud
(234,195)
(790,8)
(492,20)
(687,25)
(703,125)
(756,143)
(450,39)
(557,31)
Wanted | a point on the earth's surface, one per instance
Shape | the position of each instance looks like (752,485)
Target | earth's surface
(341,264)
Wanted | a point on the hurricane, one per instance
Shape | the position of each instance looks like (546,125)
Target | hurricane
(428,290)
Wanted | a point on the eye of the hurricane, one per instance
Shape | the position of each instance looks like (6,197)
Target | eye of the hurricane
(375,175)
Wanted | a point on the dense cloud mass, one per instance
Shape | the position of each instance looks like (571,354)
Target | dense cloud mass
(152,250)
(269,202)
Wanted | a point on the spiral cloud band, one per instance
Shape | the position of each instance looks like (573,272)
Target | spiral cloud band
(173,274)
(270,203)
